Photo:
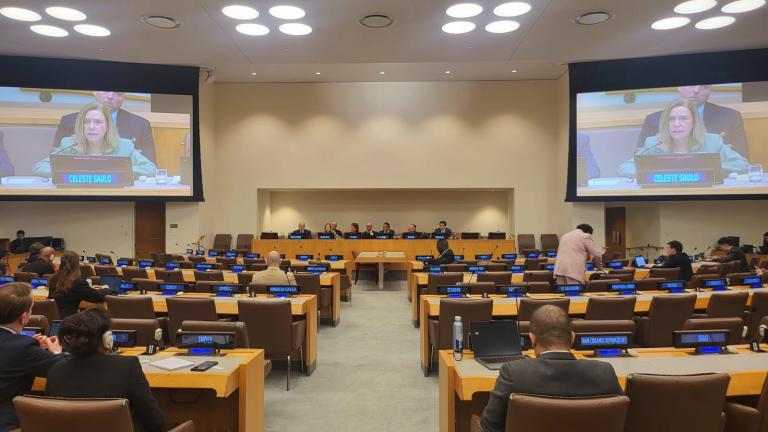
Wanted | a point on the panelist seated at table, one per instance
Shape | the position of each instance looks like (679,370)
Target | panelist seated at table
(273,275)
(68,287)
(445,256)
(96,135)
(327,230)
(302,231)
(369,232)
(92,372)
(442,230)
(676,258)
(354,230)
(412,231)
(386,231)
(681,131)
(554,372)
(336,230)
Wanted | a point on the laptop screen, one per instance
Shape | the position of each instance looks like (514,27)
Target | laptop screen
(640,261)
(112,281)
(495,338)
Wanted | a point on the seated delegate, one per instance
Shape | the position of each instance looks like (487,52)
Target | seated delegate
(68,287)
(40,260)
(446,255)
(442,230)
(302,232)
(386,231)
(676,258)
(682,131)
(95,134)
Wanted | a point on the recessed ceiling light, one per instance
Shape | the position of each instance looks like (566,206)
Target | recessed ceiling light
(448,72)
(295,29)
(65,13)
(287,12)
(381,73)
(92,30)
(670,23)
(464,10)
(20,14)
(252,29)
(161,22)
(253,73)
(740,6)
(514,70)
(317,73)
(512,9)
(458,27)
(594,18)
(695,6)
(47,30)
(502,26)
(715,22)
(240,12)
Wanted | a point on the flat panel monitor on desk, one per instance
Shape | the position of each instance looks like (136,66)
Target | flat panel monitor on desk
(752,281)
(672,287)
(334,258)
(283,290)
(4,279)
(105,261)
(516,268)
(113,282)
(514,290)
(453,291)
(199,252)
(172,288)
(704,341)
(483,257)
(477,269)
(226,289)
(323,236)
(212,253)
(172,266)
(639,261)
(423,258)
(122,262)
(204,267)
(623,288)
(91,171)
(190,251)
(39,282)
(532,255)
(91,259)
(509,256)
(720,284)
(269,235)
(549,266)
(205,343)
(352,236)
(317,269)
(457,258)
(230,254)
(434,269)
(590,266)
(252,255)
(123,338)
(551,254)
(304,257)
(569,290)
(612,344)
(238,268)
(146,264)
(126,286)
(618,265)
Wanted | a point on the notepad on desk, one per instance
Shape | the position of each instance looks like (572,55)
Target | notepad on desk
(172,363)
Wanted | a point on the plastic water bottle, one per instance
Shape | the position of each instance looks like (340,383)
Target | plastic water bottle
(458,338)
(90,282)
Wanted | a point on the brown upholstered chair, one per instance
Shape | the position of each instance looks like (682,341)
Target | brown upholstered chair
(257,267)
(46,308)
(533,263)
(131,273)
(236,327)
(734,325)
(495,267)
(222,242)
(599,285)
(147,284)
(252,261)
(623,277)
(441,329)
(528,306)
(758,309)
(224,261)
(25,276)
(527,413)
(625,270)
(86,270)
(39,321)
(666,314)
(310,284)
(539,287)
(676,402)
(135,307)
(649,284)
(209,276)
(602,326)
(468,262)
(744,418)
(105,270)
(479,288)
(697,281)
(244,278)
(454,268)
(45,414)
(202,287)
(526,241)
(538,276)
(549,242)
(734,279)
(145,329)
(181,309)
(271,328)
(611,308)
(729,304)
(669,274)
(708,269)
(243,243)
(435,280)
(170,276)
(498,278)
(257,288)
(730,267)
(196,259)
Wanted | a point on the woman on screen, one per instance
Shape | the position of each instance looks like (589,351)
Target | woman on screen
(96,134)
(681,130)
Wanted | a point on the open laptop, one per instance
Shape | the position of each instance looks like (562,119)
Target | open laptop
(91,171)
(689,169)
(495,342)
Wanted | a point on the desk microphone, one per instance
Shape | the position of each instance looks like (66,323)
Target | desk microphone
(113,253)
(493,252)
(651,147)
(61,149)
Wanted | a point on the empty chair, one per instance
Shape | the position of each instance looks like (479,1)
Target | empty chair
(454,268)
(147,284)
(539,276)
(39,321)
(222,242)
(625,270)
(734,325)
(743,418)
(539,287)
(196,259)
(478,288)
(243,243)
(610,308)
(666,314)
(526,242)
(498,278)
(623,277)
(271,328)
(105,270)
(599,285)
(131,273)
(533,263)
(236,327)
(757,310)
(467,262)
(603,326)
(697,281)
(665,273)
(209,276)
(708,269)
(257,288)
(435,280)
(730,267)
(170,276)
(25,276)
(86,270)
(180,309)
(549,242)
(495,267)
(252,261)
(734,279)
(44,414)
(310,284)
(528,306)
(146,330)
(244,278)
(648,284)
(549,414)
(676,402)
(133,307)
(441,329)
(224,261)
(46,308)
(257,267)
(726,305)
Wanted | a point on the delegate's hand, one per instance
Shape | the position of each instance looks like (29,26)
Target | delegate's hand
(51,343)
(100,287)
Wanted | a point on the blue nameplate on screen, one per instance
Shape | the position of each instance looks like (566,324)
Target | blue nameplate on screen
(569,290)
(532,255)
(295,237)
(93,179)
(199,252)
(511,290)
(752,281)
(457,258)
(7,279)
(317,269)
(716,284)
(456,291)
(204,267)
(325,236)
(410,236)
(439,236)
(237,268)
(283,290)
(615,265)
(551,254)
(91,260)
(509,256)
(122,262)
(303,257)
(382,237)
(171,289)
(146,263)
(704,341)
(590,266)
(424,257)
(190,251)
(550,267)
(333,258)
(603,344)
(231,254)
(212,253)
(226,290)
(126,286)
(476,269)
(353,237)
(435,269)
(38,282)
(483,257)
(679,178)
(672,286)
(515,268)
(105,261)
(251,255)
(172,265)
(623,288)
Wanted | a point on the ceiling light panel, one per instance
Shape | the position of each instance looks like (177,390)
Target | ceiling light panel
(20,14)
(252,29)
(504,26)
(92,30)
(287,12)
(65,13)
(695,6)
(47,30)
(741,6)
(464,10)
(670,23)
(715,22)
(459,27)
(295,29)
(511,9)
(240,12)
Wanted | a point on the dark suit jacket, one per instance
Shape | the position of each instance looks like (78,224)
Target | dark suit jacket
(17,246)
(307,234)
(69,303)
(6,167)
(108,376)
(417,234)
(681,261)
(720,120)
(21,360)
(735,254)
(446,257)
(39,266)
(389,234)
(129,126)
(551,374)
(369,235)
(448,233)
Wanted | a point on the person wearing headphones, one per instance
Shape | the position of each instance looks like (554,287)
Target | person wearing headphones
(446,254)
(90,372)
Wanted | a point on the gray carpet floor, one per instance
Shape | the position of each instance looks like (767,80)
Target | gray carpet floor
(367,377)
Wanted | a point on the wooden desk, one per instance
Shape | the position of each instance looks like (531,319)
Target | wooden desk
(230,398)
(380,258)
(460,381)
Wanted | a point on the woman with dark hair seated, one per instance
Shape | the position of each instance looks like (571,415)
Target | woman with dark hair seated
(68,287)
(446,254)
(92,372)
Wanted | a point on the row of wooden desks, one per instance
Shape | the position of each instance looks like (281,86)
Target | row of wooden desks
(304,306)
(507,307)
(229,396)
(460,381)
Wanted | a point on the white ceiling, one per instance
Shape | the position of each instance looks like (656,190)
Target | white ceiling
(413,49)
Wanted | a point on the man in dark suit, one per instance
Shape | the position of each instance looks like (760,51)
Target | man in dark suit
(412,232)
(336,231)
(17,246)
(720,120)
(554,371)
(22,358)
(442,230)
(6,167)
(386,231)
(732,253)
(302,231)
(129,126)
(369,233)
(41,264)
(676,258)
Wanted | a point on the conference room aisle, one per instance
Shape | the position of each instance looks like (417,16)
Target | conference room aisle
(365,379)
